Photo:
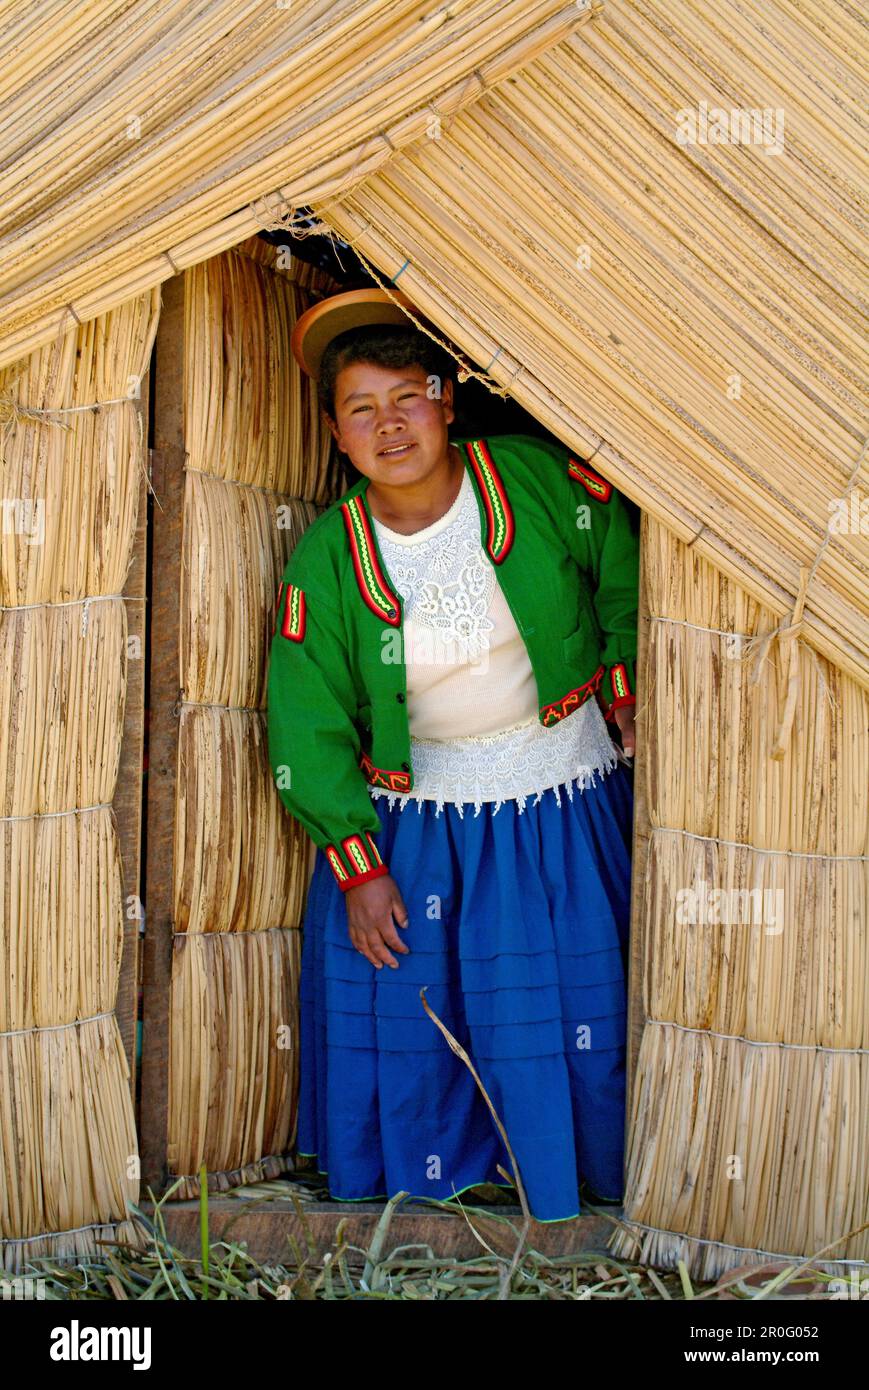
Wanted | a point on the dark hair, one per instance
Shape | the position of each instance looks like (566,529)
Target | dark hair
(386,345)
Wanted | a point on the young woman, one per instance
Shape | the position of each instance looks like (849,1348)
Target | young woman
(454,640)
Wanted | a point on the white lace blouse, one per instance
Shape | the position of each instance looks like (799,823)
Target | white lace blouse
(471,694)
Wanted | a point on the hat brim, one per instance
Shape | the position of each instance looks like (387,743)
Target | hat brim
(316,328)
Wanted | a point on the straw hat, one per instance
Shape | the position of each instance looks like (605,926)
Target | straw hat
(316,328)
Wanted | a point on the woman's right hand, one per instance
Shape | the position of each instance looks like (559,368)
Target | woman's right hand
(371,907)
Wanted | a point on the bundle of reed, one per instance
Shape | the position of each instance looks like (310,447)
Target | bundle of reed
(68,1153)
(61,920)
(72,443)
(751,1153)
(688,314)
(233,1062)
(241,863)
(240,100)
(716,699)
(251,413)
(237,540)
(62,680)
(70,528)
(768,946)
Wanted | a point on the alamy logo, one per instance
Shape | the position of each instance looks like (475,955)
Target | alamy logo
(21,1287)
(24,516)
(427,646)
(704,905)
(713,125)
(76,1343)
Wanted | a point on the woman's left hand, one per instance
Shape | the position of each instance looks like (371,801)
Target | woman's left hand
(624,717)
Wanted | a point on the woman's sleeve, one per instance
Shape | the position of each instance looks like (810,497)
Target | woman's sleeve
(605,543)
(313,743)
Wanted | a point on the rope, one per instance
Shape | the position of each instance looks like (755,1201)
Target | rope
(70,1231)
(739,844)
(246,931)
(698,627)
(465,371)
(742,1249)
(54,1027)
(68,603)
(50,815)
(271,220)
(12,411)
(790,627)
(747,642)
(756,1042)
(214,704)
(322,228)
(254,487)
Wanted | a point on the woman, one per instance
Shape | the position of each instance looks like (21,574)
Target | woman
(450,639)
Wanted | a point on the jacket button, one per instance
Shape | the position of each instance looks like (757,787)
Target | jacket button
(400,698)
(405,767)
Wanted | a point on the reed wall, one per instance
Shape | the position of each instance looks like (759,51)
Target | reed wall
(71,455)
(258,471)
(749,1124)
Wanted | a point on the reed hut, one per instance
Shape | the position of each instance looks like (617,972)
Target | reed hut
(639,221)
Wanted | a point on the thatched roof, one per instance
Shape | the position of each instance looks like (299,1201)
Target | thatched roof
(139,138)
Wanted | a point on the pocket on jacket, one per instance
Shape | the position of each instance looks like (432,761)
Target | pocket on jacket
(363,716)
(573,644)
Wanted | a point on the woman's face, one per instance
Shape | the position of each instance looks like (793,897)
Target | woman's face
(390,423)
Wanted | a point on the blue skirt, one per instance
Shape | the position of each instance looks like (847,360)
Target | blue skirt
(518,930)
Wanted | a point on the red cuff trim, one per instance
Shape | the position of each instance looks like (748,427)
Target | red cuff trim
(618,685)
(357,860)
(363,878)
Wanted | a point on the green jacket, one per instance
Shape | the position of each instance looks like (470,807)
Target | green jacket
(566,556)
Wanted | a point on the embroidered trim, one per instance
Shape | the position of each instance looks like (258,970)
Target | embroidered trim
(295,613)
(618,689)
(382,777)
(621,685)
(369,576)
(337,865)
(550,714)
(591,481)
(500,526)
(361,861)
(356,879)
(355,852)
